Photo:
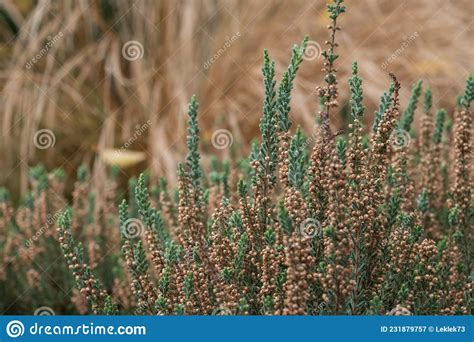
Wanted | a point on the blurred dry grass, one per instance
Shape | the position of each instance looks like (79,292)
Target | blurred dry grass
(92,98)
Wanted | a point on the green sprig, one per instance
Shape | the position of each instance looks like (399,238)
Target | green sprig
(439,125)
(297,160)
(385,101)
(355,83)
(407,118)
(193,157)
(284,90)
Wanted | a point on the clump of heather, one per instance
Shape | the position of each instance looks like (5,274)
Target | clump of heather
(375,220)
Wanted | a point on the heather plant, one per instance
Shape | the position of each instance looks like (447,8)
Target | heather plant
(376,219)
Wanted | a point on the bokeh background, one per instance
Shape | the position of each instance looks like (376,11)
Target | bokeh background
(63,68)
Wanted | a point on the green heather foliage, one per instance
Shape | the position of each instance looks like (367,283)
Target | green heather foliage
(286,85)
(439,125)
(468,93)
(407,118)
(428,100)
(297,159)
(355,83)
(385,101)
(333,225)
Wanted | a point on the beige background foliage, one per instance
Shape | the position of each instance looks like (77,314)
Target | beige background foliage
(92,98)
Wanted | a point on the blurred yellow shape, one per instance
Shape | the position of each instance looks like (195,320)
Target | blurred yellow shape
(431,66)
(324,15)
(122,158)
